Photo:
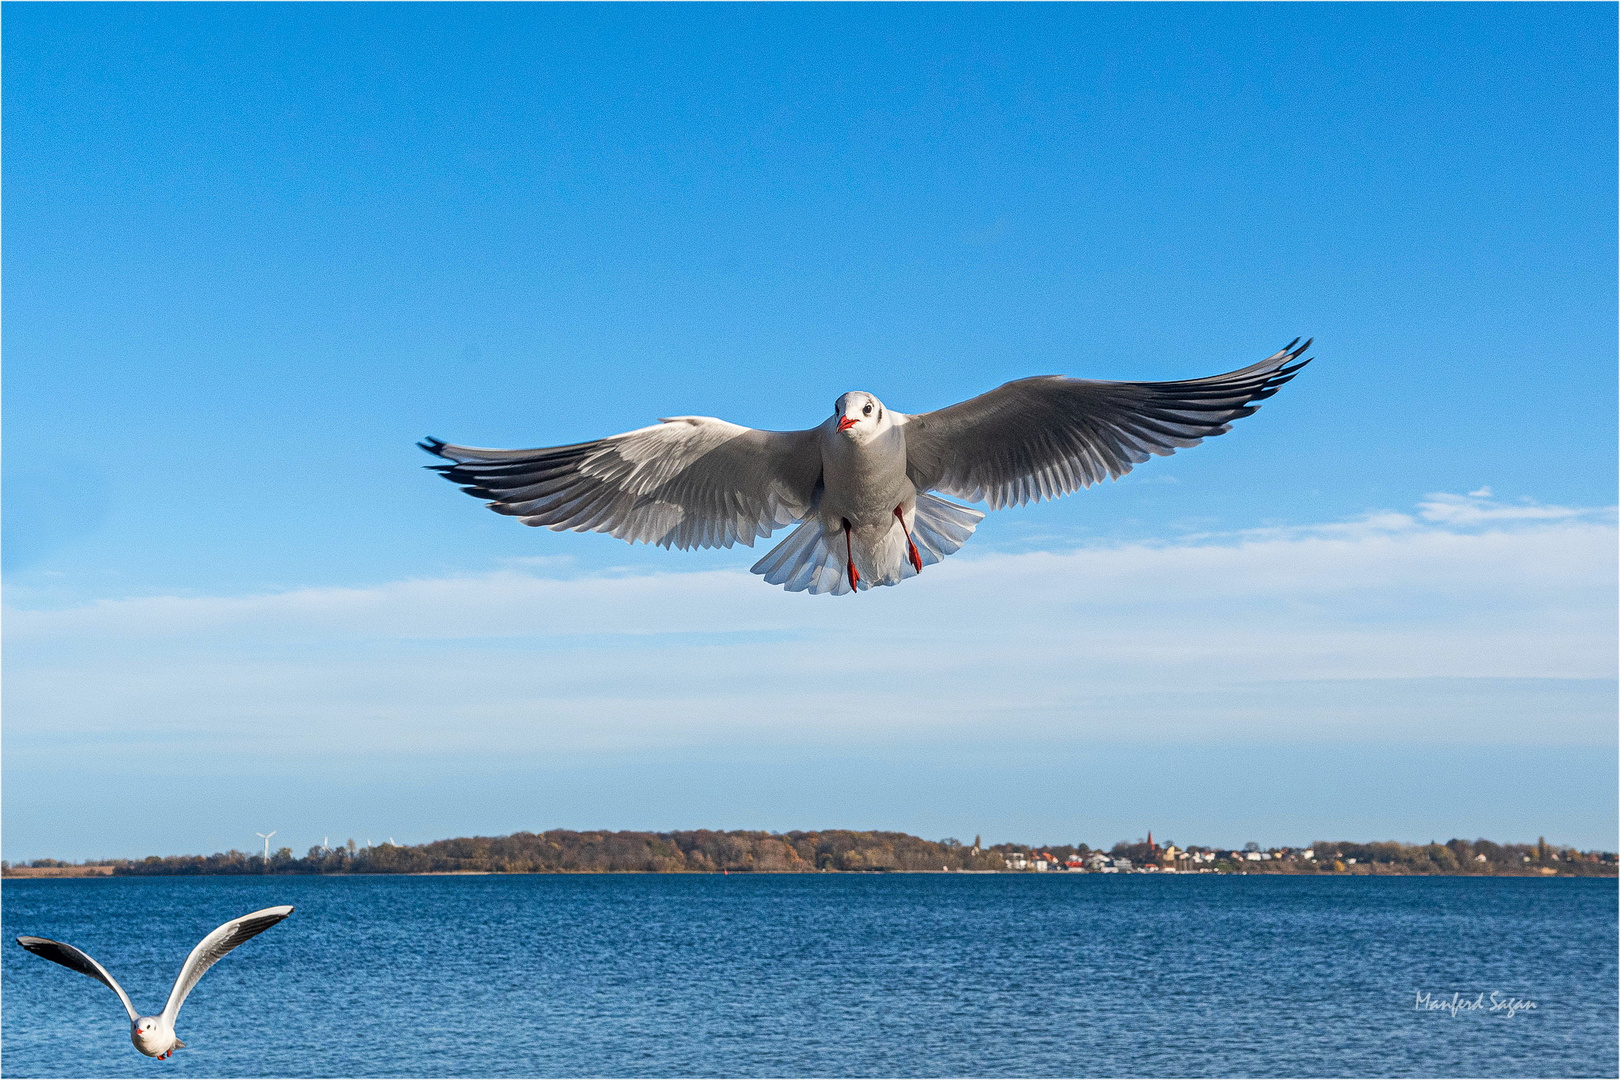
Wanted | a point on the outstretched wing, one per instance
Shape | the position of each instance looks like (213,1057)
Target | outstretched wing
(689,481)
(69,957)
(1040,438)
(212,948)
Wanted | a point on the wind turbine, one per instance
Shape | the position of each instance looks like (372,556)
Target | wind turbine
(266,837)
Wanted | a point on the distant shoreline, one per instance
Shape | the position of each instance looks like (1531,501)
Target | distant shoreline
(48,872)
(565,851)
(94,872)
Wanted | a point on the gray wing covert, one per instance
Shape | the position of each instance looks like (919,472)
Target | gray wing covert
(1048,436)
(211,949)
(686,482)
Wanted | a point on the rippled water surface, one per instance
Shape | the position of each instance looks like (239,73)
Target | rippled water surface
(826,975)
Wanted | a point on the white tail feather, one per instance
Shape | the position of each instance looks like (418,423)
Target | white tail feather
(805,561)
(941,527)
(810,560)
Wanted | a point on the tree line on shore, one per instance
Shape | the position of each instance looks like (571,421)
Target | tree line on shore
(706,851)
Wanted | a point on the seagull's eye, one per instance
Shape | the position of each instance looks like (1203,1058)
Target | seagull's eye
(867,410)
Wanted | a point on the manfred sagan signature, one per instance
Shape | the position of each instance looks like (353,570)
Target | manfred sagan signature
(1494,1002)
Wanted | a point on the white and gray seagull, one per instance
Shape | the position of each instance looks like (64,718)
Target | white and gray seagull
(859,485)
(154,1035)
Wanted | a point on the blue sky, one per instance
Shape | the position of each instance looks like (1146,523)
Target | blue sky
(254,252)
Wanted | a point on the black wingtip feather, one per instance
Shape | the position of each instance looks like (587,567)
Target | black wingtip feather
(433,446)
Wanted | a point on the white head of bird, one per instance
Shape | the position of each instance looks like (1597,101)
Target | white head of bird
(860,416)
(152,1036)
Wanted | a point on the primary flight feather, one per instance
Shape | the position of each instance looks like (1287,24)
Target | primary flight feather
(859,485)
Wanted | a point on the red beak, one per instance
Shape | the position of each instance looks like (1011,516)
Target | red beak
(846,422)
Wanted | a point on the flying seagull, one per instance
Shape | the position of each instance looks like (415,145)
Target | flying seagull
(859,485)
(154,1035)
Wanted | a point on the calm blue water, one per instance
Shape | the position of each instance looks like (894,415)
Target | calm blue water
(834,975)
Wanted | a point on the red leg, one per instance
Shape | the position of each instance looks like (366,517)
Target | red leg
(849,554)
(916,559)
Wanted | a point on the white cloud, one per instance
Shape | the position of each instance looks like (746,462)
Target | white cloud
(1174,640)
(1479,507)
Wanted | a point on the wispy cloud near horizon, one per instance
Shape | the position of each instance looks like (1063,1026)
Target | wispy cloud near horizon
(1484,591)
